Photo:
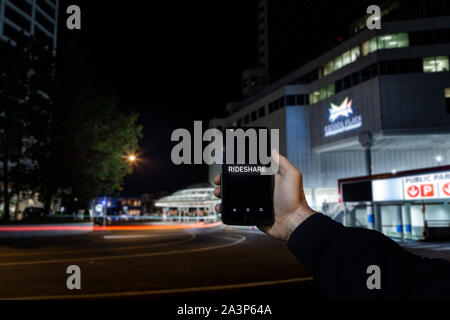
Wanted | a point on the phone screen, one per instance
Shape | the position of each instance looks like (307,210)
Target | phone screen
(247,195)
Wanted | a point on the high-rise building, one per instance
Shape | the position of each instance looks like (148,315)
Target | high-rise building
(293,33)
(32,17)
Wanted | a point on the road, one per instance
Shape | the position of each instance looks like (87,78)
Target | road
(214,265)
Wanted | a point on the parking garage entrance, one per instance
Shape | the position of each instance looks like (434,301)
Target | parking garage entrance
(411,204)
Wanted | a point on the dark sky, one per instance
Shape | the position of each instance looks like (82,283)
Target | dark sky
(173,62)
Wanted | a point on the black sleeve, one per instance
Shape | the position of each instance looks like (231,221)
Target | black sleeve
(338,257)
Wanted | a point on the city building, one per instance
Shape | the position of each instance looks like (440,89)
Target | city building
(31,17)
(376,103)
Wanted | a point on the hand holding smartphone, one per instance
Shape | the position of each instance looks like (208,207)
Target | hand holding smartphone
(247,193)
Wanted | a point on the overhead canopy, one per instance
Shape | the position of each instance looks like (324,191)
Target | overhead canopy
(190,197)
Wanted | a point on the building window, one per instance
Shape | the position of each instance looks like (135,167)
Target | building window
(356,53)
(346,58)
(365,48)
(254,116)
(328,68)
(290,100)
(262,112)
(447,100)
(330,90)
(17,18)
(300,99)
(337,63)
(435,64)
(246,119)
(373,44)
(314,96)
(271,107)
(23,5)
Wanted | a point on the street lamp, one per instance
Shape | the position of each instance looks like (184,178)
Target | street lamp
(131,158)
(439,158)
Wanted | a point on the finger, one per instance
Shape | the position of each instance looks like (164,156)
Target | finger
(217,192)
(217,207)
(217,179)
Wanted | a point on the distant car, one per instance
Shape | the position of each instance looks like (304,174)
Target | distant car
(33,213)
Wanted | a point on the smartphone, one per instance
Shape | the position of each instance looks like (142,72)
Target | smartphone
(247,195)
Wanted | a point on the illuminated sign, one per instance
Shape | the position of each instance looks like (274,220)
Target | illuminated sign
(427,186)
(420,187)
(341,118)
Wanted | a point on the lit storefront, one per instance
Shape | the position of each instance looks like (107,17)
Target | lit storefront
(196,203)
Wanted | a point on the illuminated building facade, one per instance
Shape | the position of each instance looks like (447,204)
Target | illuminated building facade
(387,91)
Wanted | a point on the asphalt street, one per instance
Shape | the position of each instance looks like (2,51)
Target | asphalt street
(214,265)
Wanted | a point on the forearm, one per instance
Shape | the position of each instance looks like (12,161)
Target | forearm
(338,258)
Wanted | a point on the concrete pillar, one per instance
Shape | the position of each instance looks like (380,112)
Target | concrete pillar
(351,218)
(407,227)
(377,217)
(370,216)
(313,199)
(399,222)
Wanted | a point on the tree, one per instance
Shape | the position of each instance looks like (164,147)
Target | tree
(61,133)
(18,93)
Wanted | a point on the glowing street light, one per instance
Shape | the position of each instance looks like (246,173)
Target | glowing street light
(132,158)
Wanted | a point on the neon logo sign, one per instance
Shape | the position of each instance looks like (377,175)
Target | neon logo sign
(343,110)
(341,118)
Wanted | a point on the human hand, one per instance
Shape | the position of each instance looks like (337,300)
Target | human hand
(290,205)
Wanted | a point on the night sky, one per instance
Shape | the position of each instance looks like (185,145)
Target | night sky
(171,62)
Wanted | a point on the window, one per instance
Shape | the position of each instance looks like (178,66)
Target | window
(347,82)
(314,96)
(346,58)
(246,119)
(271,107)
(330,89)
(44,22)
(46,8)
(17,18)
(328,68)
(390,41)
(290,100)
(365,48)
(356,53)
(254,115)
(373,44)
(301,99)
(403,40)
(339,86)
(435,64)
(338,63)
(23,5)
(447,100)
(262,112)
(356,78)
(323,93)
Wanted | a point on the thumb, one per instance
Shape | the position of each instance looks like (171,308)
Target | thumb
(285,166)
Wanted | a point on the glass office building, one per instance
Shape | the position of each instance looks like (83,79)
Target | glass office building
(31,17)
